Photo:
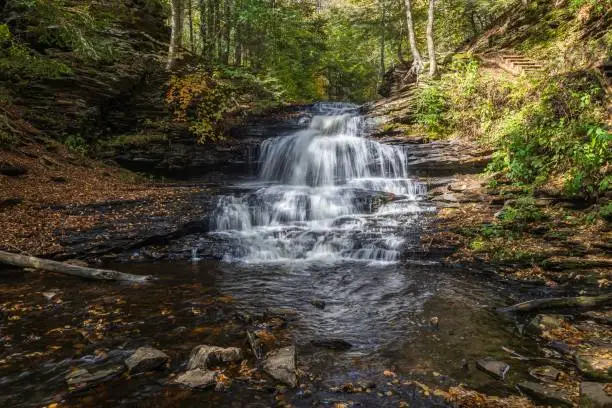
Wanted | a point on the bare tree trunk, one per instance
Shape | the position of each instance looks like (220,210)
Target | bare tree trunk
(68,269)
(417,60)
(177,32)
(228,31)
(431,49)
(191,34)
(382,41)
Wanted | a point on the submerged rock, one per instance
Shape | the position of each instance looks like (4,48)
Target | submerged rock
(333,344)
(281,365)
(595,363)
(496,369)
(146,359)
(594,395)
(197,378)
(285,313)
(207,356)
(319,304)
(545,322)
(81,378)
(545,394)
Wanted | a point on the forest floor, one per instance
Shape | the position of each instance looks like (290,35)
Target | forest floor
(53,195)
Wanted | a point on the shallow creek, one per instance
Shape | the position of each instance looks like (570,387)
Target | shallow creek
(332,220)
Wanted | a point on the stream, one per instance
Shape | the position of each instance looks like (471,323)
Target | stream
(330,228)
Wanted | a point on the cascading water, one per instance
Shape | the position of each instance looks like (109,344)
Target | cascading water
(327,193)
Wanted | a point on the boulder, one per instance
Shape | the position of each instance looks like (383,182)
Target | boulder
(280,364)
(197,378)
(545,322)
(207,356)
(545,394)
(81,378)
(595,363)
(496,369)
(146,359)
(594,395)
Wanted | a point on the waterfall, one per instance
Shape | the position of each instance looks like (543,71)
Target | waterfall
(327,193)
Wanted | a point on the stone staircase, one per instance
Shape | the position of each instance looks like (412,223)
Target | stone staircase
(513,63)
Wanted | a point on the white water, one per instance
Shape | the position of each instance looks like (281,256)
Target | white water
(327,193)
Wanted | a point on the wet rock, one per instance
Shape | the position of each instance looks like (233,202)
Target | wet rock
(146,359)
(319,304)
(595,363)
(333,344)
(546,373)
(561,347)
(545,322)
(545,394)
(197,378)
(496,369)
(81,378)
(248,318)
(207,356)
(280,364)
(594,395)
(285,313)
(603,317)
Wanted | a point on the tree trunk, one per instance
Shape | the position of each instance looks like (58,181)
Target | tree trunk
(581,302)
(177,32)
(382,41)
(431,49)
(417,60)
(68,269)
(191,34)
(228,31)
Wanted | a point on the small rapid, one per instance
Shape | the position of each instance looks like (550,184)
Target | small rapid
(325,193)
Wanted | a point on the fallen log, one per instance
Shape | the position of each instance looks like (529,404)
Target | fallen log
(26,261)
(581,302)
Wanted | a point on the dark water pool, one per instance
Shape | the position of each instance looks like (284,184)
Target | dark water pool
(384,311)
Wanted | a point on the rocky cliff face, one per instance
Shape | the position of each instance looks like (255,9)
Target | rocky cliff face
(80,103)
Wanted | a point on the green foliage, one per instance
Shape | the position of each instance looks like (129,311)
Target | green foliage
(17,61)
(76,144)
(69,25)
(431,110)
(605,212)
(542,128)
(206,100)
(558,129)
(520,213)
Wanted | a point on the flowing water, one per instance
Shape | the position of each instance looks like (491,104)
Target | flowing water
(327,193)
(334,217)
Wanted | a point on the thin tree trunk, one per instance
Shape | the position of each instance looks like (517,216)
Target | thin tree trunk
(228,30)
(417,60)
(177,32)
(26,261)
(431,49)
(191,34)
(382,42)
